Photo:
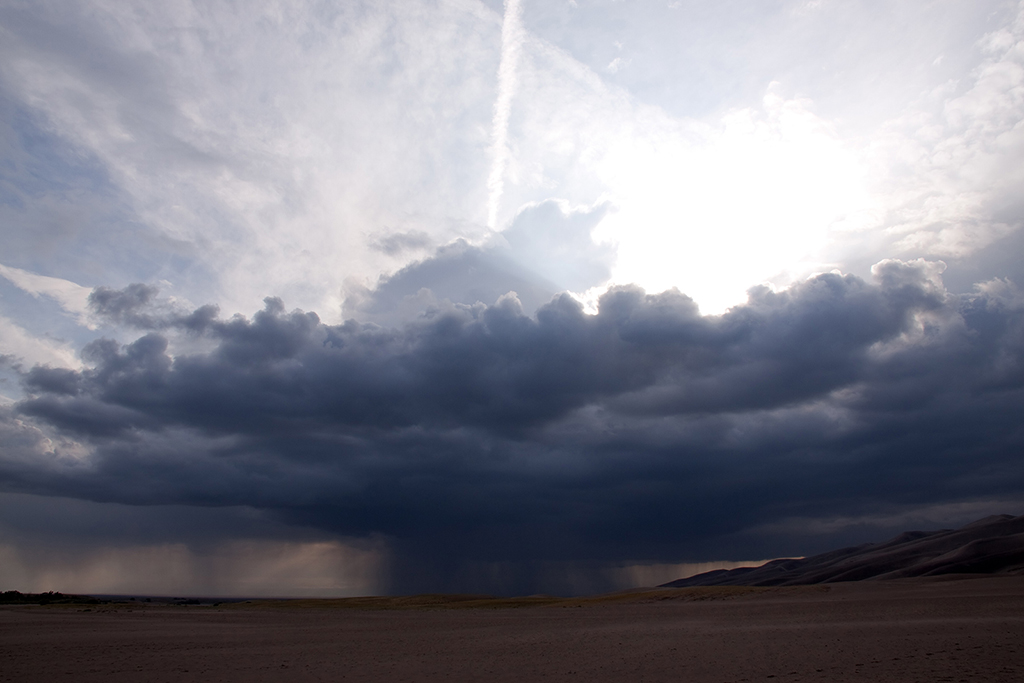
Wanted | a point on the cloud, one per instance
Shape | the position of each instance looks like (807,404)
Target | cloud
(547,248)
(457,273)
(512,39)
(482,442)
(397,243)
(169,144)
(354,159)
(138,306)
(555,241)
(234,153)
(767,159)
(960,143)
(21,345)
(72,297)
(709,206)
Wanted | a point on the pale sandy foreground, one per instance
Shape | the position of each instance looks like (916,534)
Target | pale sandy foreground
(907,630)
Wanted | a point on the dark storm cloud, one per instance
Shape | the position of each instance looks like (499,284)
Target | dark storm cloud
(123,306)
(481,437)
(137,306)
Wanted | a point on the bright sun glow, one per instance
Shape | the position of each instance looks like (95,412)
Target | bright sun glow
(714,212)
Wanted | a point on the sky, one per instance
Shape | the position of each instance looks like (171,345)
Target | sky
(342,298)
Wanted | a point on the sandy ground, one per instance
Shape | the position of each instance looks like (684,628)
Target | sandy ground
(908,630)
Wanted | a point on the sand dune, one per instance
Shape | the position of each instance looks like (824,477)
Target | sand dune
(993,545)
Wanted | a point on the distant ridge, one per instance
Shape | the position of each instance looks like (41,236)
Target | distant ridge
(993,545)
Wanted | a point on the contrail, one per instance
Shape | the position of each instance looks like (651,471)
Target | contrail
(512,37)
